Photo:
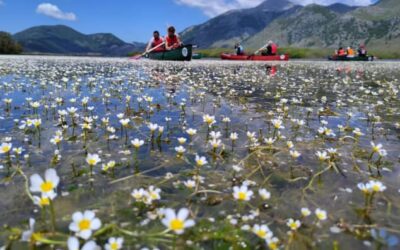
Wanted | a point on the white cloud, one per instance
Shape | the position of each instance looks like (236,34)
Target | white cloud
(52,10)
(215,7)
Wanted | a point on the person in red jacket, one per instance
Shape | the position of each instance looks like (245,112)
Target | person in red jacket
(172,41)
(341,52)
(272,49)
(155,41)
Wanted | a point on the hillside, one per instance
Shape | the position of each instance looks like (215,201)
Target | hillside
(312,26)
(317,27)
(237,25)
(65,40)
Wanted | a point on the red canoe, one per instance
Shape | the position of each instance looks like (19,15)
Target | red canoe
(254,57)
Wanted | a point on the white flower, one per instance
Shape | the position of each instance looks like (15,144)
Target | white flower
(191,131)
(294,154)
(210,120)
(5,148)
(84,223)
(277,123)
(234,136)
(264,194)
(180,149)
(114,243)
(93,159)
(48,185)
(189,184)
(138,194)
(215,143)
(124,122)
(73,244)
(269,141)
(215,135)
(376,147)
(137,143)
(293,224)
(375,186)
(262,231)
(177,222)
(321,214)
(27,235)
(182,140)
(152,126)
(242,193)
(322,156)
(201,161)
(305,212)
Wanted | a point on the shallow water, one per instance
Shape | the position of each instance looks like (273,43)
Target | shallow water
(321,94)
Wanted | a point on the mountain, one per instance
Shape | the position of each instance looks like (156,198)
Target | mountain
(311,26)
(318,26)
(237,25)
(62,39)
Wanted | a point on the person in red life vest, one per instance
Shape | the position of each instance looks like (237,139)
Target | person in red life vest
(272,49)
(172,41)
(155,42)
(341,52)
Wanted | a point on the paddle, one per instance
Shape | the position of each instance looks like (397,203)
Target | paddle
(263,47)
(137,57)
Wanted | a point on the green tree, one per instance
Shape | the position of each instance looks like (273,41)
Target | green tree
(8,45)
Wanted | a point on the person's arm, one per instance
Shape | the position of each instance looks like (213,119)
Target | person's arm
(149,44)
(178,43)
(167,47)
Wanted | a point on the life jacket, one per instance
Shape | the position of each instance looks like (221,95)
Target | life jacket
(157,42)
(350,52)
(341,52)
(274,49)
(171,40)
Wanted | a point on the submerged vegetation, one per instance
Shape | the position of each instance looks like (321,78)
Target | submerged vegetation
(107,153)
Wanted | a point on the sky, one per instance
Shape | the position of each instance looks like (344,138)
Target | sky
(130,20)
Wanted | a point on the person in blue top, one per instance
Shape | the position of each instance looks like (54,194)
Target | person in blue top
(239,49)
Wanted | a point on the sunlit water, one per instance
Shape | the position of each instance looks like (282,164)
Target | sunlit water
(305,96)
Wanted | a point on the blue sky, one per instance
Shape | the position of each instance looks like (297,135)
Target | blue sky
(131,20)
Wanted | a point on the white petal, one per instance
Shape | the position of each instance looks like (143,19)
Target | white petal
(96,224)
(51,175)
(91,245)
(85,234)
(77,216)
(89,215)
(73,243)
(74,227)
(36,182)
(183,213)
(169,214)
(189,223)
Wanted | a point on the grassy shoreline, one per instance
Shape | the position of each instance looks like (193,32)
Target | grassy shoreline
(301,53)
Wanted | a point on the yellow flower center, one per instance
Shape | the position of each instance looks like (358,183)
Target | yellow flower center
(5,149)
(176,224)
(242,196)
(46,186)
(84,224)
(44,201)
(293,226)
(376,188)
(92,161)
(114,246)
(261,233)
(273,246)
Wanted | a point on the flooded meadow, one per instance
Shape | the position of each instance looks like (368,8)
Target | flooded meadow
(100,153)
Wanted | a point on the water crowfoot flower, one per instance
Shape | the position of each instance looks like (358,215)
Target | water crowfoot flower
(242,193)
(83,224)
(177,222)
(114,243)
(73,244)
